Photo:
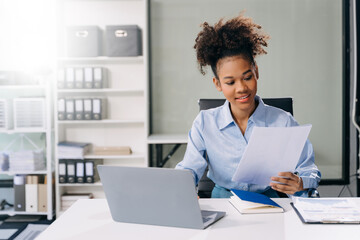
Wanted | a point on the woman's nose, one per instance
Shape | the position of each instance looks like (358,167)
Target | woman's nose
(240,86)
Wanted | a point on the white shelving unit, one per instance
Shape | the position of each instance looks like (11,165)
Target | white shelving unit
(158,140)
(167,139)
(126,123)
(28,91)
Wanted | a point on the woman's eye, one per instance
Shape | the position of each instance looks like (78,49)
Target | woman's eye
(248,78)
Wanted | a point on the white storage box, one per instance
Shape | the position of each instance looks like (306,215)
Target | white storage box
(84,41)
(29,114)
(6,115)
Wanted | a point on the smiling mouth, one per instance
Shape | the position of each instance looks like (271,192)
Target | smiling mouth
(243,99)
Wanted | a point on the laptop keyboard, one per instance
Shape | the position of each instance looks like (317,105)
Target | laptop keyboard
(208,216)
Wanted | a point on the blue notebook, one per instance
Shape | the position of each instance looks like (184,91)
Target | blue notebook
(250,202)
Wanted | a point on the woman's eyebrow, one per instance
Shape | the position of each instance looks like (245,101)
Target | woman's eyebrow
(246,72)
(231,77)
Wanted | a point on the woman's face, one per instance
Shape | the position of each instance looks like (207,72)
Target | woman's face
(238,82)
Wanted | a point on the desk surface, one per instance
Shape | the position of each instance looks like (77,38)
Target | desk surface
(91,219)
(167,138)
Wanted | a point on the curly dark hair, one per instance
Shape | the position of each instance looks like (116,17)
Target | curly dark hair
(237,36)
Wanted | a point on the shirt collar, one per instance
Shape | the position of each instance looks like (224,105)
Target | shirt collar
(258,117)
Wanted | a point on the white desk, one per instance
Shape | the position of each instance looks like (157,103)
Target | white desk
(90,219)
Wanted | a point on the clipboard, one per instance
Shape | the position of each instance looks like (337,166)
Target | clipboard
(337,221)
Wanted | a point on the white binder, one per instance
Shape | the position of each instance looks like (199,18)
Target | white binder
(70,77)
(70,109)
(99,108)
(99,77)
(88,109)
(79,109)
(61,109)
(88,77)
(31,194)
(79,78)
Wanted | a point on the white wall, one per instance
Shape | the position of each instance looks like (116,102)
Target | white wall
(304,61)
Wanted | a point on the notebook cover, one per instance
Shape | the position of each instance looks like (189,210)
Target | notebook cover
(254,197)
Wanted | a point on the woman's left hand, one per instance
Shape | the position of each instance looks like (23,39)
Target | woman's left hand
(288,183)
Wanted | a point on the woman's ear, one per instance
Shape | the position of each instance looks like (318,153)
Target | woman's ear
(256,71)
(217,84)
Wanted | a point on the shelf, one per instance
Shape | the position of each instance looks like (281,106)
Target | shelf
(12,212)
(105,121)
(102,90)
(96,184)
(138,59)
(22,87)
(167,138)
(100,0)
(126,88)
(130,156)
(11,131)
(24,172)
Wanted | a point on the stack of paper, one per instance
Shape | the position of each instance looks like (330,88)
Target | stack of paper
(27,161)
(250,202)
(73,150)
(112,150)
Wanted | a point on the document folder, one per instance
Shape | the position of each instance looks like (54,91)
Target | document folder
(62,171)
(19,193)
(87,109)
(89,171)
(327,210)
(42,197)
(70,105)
(80,172)
(70,77)
(79,109)
(88,77)
(98,107)
(98,77)
(71,170)
(79,78)
(31,193)
(61,109)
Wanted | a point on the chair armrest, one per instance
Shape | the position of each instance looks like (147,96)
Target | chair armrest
(313,193)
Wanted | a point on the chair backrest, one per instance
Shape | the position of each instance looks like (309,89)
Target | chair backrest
(285,103)
(206,185)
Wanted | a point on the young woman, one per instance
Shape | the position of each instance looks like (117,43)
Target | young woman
(222,133)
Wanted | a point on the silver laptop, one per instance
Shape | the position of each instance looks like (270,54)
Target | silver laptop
(156,196)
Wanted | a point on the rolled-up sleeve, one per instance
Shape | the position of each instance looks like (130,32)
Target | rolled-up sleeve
(194,158)
(306,167)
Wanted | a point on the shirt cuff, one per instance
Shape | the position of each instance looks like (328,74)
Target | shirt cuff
(302,193)
(309,182)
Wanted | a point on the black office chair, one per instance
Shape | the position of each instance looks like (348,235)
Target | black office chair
(206,185)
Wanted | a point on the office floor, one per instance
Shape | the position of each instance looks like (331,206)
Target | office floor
(17,224)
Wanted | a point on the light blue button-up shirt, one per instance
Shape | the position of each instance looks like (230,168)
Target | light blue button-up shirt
(215,132)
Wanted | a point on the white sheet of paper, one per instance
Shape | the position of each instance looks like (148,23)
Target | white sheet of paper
(271,150)
(7,233)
